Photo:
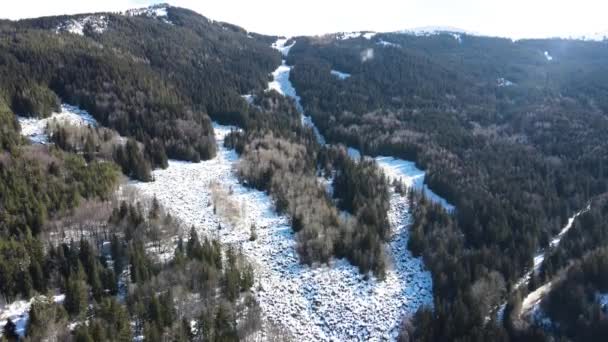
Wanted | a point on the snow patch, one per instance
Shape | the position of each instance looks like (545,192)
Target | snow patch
(340,75)
(366,55)
(426,31)
(502,82)
(96,23)
(548,56)
(281,45)
(353,35)
(384,43)
(35,129)
(248,97)
(281,83)
(18,312)
(158,11)
(602,299)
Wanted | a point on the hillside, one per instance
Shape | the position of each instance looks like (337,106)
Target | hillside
(164,176)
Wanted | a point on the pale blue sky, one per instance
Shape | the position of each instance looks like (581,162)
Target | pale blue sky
(513,18)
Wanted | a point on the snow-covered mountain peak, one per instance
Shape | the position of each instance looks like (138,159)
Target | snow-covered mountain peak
(429,30)
(158,11)
(357,34)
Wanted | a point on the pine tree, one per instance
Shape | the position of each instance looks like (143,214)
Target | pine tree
(10,331)
(75,295)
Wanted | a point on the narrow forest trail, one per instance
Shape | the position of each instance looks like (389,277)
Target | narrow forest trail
(533,299)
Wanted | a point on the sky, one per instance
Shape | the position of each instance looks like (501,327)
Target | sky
(509,18)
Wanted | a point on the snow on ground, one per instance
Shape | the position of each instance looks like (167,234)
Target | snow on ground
(313,303)
(502,82)
(18,312)
(97,23)
(548,56)
(281,45)
(248,97)
(384,43)
(407,172)
(281,83)
(554,243)
(533,299)
(158,11)
(395,168)
(35,129)
(352,35)
(438,30)
(340,75)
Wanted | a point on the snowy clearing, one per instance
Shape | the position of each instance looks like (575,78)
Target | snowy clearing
(18,312)
(340,75)
(313,303)
(35,129)
(96,23)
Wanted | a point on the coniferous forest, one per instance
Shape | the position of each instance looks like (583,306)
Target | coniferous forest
(516,141)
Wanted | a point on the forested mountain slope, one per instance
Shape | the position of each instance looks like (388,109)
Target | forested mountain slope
(513,133)
(153,76)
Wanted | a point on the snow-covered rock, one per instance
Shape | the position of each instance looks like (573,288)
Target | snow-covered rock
(317,303)
(35,129)
(340,75)
(96,23)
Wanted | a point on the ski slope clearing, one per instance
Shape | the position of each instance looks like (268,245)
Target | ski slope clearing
(35,129)
(313,303)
